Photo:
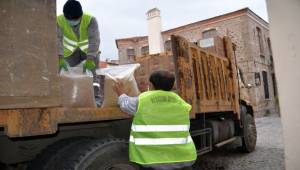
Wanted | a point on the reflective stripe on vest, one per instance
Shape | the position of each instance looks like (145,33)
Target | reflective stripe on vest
(74,42)
(69,47)
(160,130)
(70,40)
(160,141)
(72,45)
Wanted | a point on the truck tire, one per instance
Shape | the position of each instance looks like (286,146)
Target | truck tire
(110,154)
(249,129)
(44,159)
(215,131)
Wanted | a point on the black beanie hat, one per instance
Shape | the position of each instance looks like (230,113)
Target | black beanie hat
(72,9)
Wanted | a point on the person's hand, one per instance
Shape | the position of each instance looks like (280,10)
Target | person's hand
(119,88)
(89,65)
(62,64)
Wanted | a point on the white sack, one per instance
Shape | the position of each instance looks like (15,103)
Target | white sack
(77,88)
(122,73)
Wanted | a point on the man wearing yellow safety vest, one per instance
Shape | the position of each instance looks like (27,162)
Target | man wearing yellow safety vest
(160,137)
(78,38)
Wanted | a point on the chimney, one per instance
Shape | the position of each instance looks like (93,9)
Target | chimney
(154,31)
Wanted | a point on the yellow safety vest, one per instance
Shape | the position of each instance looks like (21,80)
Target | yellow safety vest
(160,130)
(70,41)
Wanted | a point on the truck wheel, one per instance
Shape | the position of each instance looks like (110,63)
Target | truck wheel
(250,134)
(43,160)
(111,154)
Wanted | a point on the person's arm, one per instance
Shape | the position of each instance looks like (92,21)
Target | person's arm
(61,60)
(94,39)
(60,42)
(128,104)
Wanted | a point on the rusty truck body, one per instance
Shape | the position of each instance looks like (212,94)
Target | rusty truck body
(90,138)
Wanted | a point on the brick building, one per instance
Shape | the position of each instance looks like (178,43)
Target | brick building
(254,54)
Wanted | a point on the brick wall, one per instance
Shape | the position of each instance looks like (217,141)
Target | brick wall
(242,29)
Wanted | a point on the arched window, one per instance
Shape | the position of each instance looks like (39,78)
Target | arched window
(266,84)
(260,40)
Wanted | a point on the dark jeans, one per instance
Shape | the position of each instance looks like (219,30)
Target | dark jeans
(77,57)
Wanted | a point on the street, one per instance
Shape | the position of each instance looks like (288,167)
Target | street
(269,154)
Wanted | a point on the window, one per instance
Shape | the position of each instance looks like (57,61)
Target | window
(209,33)
(257,79)
(269,46)
(270,52)
(241,76)
(266,84)
(168,46)
(260,40)
(145,50)
(130,54)
(271,62)
(274,84)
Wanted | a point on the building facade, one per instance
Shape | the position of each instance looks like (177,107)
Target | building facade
(247,30)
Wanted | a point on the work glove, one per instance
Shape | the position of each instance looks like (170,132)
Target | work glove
(89,65)
(63,64)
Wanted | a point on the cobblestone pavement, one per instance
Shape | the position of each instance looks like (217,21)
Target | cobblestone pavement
(267,156)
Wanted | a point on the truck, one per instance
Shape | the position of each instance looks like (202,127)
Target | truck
(55,137)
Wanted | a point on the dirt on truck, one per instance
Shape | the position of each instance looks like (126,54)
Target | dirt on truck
(36,132)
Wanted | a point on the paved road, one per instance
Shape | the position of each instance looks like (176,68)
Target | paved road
(267,156)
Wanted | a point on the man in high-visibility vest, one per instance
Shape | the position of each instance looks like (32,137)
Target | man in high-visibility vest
(78,38)
(160,137)
(78,41)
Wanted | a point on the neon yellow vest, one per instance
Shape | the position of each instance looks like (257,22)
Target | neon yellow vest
(160,130)
(70,41)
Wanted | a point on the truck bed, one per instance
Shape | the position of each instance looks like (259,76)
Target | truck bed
(205,80)
(32,122)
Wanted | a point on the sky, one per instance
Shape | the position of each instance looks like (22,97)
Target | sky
(127,18)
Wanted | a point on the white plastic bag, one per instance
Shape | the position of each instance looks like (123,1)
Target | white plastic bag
(77,88)
(121,73)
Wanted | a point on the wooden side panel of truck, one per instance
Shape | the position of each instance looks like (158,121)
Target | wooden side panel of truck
(205,80)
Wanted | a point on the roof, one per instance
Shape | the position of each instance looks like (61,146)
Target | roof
(216,18)
(152,10)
